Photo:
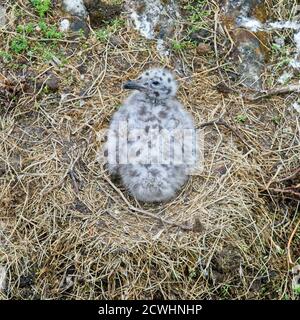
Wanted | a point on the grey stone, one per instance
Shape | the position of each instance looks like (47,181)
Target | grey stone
(155,20)
(2,16)
(75,7)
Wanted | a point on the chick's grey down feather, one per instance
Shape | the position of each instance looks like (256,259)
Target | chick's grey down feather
(151,109)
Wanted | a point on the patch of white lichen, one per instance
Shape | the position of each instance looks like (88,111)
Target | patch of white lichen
(154,20)
(75,7)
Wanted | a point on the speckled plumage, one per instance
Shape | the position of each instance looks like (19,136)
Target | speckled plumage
(148,112)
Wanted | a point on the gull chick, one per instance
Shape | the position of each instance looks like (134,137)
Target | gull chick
(151,167)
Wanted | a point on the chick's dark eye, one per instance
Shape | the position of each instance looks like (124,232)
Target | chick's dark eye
(155,83)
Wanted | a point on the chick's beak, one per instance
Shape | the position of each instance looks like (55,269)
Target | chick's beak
(133,85)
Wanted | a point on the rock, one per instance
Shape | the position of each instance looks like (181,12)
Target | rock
(3,277)
(82,69)
(162,48)
(253,59)
(296,278)
(80,207)
(295,63)
(249,49)
(223,88)
(64,25)
(203,48)
(296,106)
(53,83)
(101,12)
(285,77)
(38,29)
(198,225)
(79,24)
(75,7)
(2,16)
(27,280)
(56,61)
(279,41)
(78,12)
(154,19)
(116,41)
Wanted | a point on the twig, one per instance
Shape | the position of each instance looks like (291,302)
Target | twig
(73,178)
(270,182)
(290,241)
(70,168)
(225,124)
(272,92)
(287,191)
(215,42)
(290,176)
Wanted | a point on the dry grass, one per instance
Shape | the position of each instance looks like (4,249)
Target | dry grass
(68,232)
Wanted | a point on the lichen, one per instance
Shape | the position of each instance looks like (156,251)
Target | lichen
(155,19)
(2,16)
(249,51)
(250,24)
(75,7)
(2,278)
(64,25)
(243,18)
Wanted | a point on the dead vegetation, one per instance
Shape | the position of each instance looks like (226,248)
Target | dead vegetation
(69,232)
